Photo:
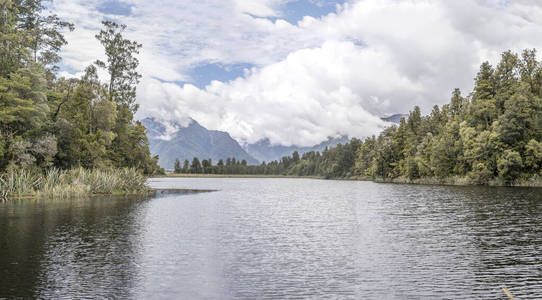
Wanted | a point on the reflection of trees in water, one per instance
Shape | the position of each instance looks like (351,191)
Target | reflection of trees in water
(69,248)
(22,235)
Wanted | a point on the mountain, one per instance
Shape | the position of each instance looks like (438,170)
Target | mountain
(263,150)
(186,142)
(395,118)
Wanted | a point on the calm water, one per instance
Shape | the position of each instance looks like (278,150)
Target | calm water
(275,239)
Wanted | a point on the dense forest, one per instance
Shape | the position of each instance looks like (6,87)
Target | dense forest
(492,136)
(46,121)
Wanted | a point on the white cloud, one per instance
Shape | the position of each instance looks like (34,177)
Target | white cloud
(302,100)
(319,77)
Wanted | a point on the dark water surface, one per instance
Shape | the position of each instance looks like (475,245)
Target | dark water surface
(275,239)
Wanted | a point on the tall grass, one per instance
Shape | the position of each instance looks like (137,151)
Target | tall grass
(71,183)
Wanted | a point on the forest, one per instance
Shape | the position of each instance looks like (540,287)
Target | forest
(492,136)
(47,122)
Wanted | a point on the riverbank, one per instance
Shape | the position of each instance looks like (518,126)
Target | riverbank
(19,184)
(453,181)
(460,181)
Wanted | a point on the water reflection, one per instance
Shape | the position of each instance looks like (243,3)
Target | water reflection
(62,248)
(277,238)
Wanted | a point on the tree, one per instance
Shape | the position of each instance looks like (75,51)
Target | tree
(130,148)
(457,103)
(529,70)
(295,157)
(47,121)
(506,78)
(206,166)
(484,108)
(177,166)
(121,64)
(533,156)
(510,166)
(515,125)
(43,32)
(186,166)
(195,168)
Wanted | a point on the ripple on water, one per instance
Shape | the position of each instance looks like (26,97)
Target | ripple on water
(277,238)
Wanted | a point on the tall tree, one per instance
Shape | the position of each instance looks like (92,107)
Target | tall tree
(177,166)
(43,31)
(121,64)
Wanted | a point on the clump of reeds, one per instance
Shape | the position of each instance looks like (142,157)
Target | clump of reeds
(71,183)
(17,183)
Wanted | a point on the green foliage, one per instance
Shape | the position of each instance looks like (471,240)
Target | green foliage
(533,156)
(480,174)
(177,167)
(121,64)
(510,166)
(50,122)
(492,135)
(195,167)
(336,162)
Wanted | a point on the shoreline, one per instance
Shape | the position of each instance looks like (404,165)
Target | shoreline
(151,193)
(421,181)
(459,181)
(232,176)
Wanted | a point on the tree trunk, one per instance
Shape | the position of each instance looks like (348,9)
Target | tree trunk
(111,80)
(62,103)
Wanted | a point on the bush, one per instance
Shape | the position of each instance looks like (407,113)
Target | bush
(481,175)
(510,166)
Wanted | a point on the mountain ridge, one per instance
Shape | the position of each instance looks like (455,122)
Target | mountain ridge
(396,118)
(192,140)
(263,150)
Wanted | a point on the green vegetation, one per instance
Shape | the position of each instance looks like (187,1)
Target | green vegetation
(71,183)
(48,122)
(491,137)
(335,162)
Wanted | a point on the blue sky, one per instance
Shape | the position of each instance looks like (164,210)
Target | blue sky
(115,8)
(299,71)
(202,73)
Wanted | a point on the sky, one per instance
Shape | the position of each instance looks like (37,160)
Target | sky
(300,71)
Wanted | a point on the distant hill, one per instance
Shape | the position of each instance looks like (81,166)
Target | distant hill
(263,150)
(395,118)
(191,141)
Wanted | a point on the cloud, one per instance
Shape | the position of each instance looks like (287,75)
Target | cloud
(302,100)
(336,74)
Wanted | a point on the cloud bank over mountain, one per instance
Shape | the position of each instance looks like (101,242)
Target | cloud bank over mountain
(323,76)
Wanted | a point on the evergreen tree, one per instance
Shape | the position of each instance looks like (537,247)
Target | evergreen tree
(177,166)
(195,168)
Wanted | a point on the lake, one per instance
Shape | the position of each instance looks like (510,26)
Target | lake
(274,239)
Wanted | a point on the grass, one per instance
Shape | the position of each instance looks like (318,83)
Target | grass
(71,183)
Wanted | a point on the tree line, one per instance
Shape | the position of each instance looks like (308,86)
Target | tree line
(334,162)
(49,121)
(491,136)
